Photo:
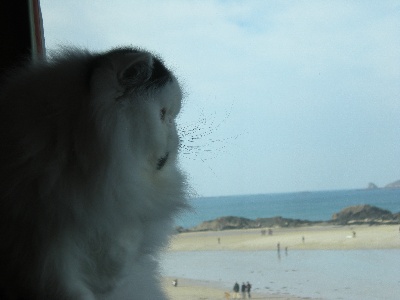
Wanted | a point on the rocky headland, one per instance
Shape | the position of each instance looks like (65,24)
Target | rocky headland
(352,215)
(393,185)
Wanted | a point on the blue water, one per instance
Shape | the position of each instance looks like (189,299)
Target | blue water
(313,206)
(322,274)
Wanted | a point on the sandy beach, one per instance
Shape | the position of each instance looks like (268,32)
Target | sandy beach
(326,237)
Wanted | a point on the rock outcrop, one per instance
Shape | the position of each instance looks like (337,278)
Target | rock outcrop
(364,214)
(372,186)
(224,223)
(230,222)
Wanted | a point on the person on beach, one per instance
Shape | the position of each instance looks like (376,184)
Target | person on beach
(248,286)
(175,282)
(243,291)
(236,291)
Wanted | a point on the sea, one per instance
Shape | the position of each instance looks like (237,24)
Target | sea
(312,206)
(312,274)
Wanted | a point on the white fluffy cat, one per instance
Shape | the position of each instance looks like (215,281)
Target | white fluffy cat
(89,181)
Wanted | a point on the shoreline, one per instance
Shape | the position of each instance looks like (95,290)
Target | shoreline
(315,237)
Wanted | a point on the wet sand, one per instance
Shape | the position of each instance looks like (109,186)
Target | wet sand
(198,290)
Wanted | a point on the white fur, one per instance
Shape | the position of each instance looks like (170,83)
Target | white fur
(84,209)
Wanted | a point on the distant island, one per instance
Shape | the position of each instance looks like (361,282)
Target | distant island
(352,215)
(392,185)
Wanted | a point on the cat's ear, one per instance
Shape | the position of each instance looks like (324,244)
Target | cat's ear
(133,69)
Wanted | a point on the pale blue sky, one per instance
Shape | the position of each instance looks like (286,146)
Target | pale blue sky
(286,95)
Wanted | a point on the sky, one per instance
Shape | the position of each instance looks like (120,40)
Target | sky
(280,96)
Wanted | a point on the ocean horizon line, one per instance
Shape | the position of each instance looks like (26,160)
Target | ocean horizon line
(295,192)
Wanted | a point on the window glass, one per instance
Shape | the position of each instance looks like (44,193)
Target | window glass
(295,103)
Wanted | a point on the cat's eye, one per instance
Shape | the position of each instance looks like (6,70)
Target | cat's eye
(162,114)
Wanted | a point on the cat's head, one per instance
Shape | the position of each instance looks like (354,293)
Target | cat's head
(147,99)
